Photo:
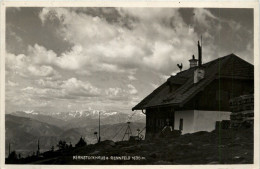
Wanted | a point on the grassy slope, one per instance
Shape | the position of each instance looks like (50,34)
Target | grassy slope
(225,147)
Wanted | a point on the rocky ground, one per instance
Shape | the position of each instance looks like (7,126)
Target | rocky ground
(217,147)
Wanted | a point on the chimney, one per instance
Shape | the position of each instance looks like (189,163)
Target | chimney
(199,54)
(193,62)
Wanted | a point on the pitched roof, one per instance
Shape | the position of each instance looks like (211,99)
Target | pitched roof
(180,88)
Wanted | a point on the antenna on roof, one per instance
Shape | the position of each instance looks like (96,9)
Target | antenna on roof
(201,39)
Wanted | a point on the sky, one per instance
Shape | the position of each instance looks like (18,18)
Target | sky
(76,59)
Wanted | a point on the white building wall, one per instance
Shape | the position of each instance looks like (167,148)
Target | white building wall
(198,120)
(206,120)
(188,120)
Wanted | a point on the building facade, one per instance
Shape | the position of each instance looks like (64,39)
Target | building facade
(194,99)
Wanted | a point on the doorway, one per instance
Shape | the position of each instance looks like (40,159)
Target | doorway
(181,125)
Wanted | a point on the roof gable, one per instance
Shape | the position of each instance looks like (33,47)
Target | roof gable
(180,88)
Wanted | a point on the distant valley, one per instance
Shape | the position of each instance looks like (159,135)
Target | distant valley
(23,129)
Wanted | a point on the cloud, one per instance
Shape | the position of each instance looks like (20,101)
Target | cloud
(15,62)
(111,47)
(119,94)
(35,91)
(27,101)
(109,68)
(154,85)
(50,95)
(69,60)
(132,89)
(161,49)
(164,77)
(89,30)
(28,67)
(131,77)
(41,71)
(150,14)
(15,36)
(113,91)
(203,17)
(11,84)
(83,72)
(46,83)
(234,25)
(122,49)
(76,87)
(40,55)
(70,88)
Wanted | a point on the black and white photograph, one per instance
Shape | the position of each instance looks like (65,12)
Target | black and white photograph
(129,85)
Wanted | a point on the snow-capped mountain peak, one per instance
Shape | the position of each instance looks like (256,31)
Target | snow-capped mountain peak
(107,117)
(30,112)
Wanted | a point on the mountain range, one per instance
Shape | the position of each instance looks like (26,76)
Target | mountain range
(76,119)
(24,129)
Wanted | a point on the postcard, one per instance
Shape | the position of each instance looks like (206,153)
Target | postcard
(131,84)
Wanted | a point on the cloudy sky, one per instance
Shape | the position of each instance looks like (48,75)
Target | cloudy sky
(67,59)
